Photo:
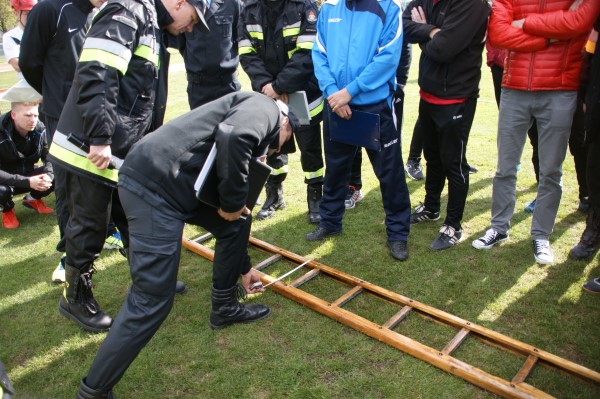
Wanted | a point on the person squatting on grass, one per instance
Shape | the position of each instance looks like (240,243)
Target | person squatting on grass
(451,35)
(545,39)
(156,187)
(22,145)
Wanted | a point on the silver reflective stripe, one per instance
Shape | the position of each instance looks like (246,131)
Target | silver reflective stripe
(254,28)
(151,42)
(306,38)
(295,25)
(61,140)
(94,43)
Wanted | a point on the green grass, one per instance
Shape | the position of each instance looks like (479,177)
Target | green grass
(296,352)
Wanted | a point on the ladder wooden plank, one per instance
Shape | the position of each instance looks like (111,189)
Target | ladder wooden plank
(500,339)
(414,348)
(525,370)
(397,318)
(456,341)
(267,262)
(341,301)
(305,277)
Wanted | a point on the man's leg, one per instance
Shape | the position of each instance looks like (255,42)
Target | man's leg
(311,158)
(435,177)
(89,207)
(274,186)
(155,246)
(514,119)
(554,114)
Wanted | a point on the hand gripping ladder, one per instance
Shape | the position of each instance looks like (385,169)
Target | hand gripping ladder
(443,359)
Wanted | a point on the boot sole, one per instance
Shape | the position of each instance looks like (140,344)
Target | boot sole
(82,325)
(218,327)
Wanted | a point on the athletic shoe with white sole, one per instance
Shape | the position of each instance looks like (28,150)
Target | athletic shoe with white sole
(542,252)
(491,238)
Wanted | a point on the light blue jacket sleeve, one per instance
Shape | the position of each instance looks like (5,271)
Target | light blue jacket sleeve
(327,82)
(384,64)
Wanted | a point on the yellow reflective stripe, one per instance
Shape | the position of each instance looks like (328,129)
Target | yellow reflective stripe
(291,32)
(312,175)
(291,52)
(280,171)
(318,108)
(256,35)
(147,53)
(246,50)
(104,57)
(305,45)
(81,162)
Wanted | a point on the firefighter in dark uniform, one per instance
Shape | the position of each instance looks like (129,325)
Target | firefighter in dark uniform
(156,186)
(276,39)
(211,58)
(109,108)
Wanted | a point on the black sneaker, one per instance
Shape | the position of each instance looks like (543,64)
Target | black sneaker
(421,214)
(321,233)
(398,249)
(413,170)
(491,238)
(448,238)
(472,169)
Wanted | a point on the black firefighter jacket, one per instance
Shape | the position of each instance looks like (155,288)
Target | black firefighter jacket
(113,93)
(281,54)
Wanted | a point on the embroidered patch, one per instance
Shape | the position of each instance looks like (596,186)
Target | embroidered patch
(311,16)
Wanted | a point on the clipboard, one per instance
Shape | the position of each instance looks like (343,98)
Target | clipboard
(298,103)
(361,130)
(207,183)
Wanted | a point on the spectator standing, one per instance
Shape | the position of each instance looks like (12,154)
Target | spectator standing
(109,108)
(53,40)
(551,34)
(11,40)
(23,144)
(211,58)
(356,58)
(451,35)
(276,38)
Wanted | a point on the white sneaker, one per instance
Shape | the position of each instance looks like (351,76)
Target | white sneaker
(542,252)
(58,275)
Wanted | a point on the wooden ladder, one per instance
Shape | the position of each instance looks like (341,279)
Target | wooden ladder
(443,359)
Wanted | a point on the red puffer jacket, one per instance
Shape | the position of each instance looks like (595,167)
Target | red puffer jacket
(533,63)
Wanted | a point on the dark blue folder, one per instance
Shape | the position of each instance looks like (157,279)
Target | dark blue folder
(361,130)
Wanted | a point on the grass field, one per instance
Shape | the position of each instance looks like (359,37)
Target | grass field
(297,353)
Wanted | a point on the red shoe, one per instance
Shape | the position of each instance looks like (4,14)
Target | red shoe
(9,219)
(37,205)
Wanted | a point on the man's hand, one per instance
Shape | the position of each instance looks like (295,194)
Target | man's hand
(40,182)
(233,216)
(418,15)
(339,101)
(518,23)
(250,278)
(100,155)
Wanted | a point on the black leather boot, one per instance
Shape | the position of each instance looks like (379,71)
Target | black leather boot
(86,392)
(273,202)
(590,239)
(314,192)
(78,303)
(227,310)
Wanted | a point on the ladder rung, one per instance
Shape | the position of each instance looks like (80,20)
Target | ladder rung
(397,318)
(341,301)
(525,370)
(269,261)
(456,341)
(202,238)
(305,277)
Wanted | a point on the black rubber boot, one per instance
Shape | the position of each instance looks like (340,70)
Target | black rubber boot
(78,303)
(273,202)
(590,239)
(314,192)
(86,392)
(6,389)
(227,310)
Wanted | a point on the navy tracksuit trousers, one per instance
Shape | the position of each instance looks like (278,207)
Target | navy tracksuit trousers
(388,167)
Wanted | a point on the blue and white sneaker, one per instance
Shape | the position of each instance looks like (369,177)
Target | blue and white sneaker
(58,275)
(113,241)
(530,207)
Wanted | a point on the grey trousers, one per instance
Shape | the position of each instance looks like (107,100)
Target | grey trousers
(553,111)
